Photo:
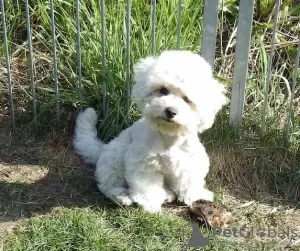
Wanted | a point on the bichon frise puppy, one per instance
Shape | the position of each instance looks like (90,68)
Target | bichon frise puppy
(160,156)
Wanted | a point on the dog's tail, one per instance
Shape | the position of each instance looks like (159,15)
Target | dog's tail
(85,141)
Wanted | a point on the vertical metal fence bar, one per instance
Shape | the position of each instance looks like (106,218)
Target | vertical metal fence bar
(79,73)
(30,62)
(241,62)
(210,18)
(103,55)
(9,84)
(179,24)
(128,12)
(153,25)
(270,66)
(293,90)
(54,59)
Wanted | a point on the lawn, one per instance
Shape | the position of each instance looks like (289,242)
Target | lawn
(50,201)
(48,197)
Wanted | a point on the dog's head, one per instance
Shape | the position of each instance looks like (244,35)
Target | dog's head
(176,92)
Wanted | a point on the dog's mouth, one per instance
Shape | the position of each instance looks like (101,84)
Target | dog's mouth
(166,120)
(167,126)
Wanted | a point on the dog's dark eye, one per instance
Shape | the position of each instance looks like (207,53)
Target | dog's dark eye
(164,91)
(185,98)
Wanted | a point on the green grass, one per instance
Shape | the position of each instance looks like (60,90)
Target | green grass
(101,229)
(92,229)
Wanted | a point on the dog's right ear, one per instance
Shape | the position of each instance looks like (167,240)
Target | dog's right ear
(142,72)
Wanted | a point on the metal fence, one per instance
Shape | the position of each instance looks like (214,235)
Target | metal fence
(210,21)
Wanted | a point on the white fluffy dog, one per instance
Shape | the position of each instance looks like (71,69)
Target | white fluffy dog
(160,156)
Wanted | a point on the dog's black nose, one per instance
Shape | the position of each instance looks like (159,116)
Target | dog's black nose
(170,113)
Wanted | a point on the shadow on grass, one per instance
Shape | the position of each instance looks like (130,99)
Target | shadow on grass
(19,200)
(38,174)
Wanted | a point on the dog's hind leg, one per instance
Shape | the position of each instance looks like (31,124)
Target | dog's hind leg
(110,169)
(111,183)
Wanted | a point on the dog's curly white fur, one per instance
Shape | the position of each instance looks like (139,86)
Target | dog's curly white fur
(160,156)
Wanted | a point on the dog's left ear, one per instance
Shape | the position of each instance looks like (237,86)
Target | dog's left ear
(215,101)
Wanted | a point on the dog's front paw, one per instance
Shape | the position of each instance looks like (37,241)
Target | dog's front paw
(170,196)
(151,208)
(187,200)
(207,195)
(191,196)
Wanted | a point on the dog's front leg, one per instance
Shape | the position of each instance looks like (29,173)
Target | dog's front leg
(191,185)
(195,192)
(146,188)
